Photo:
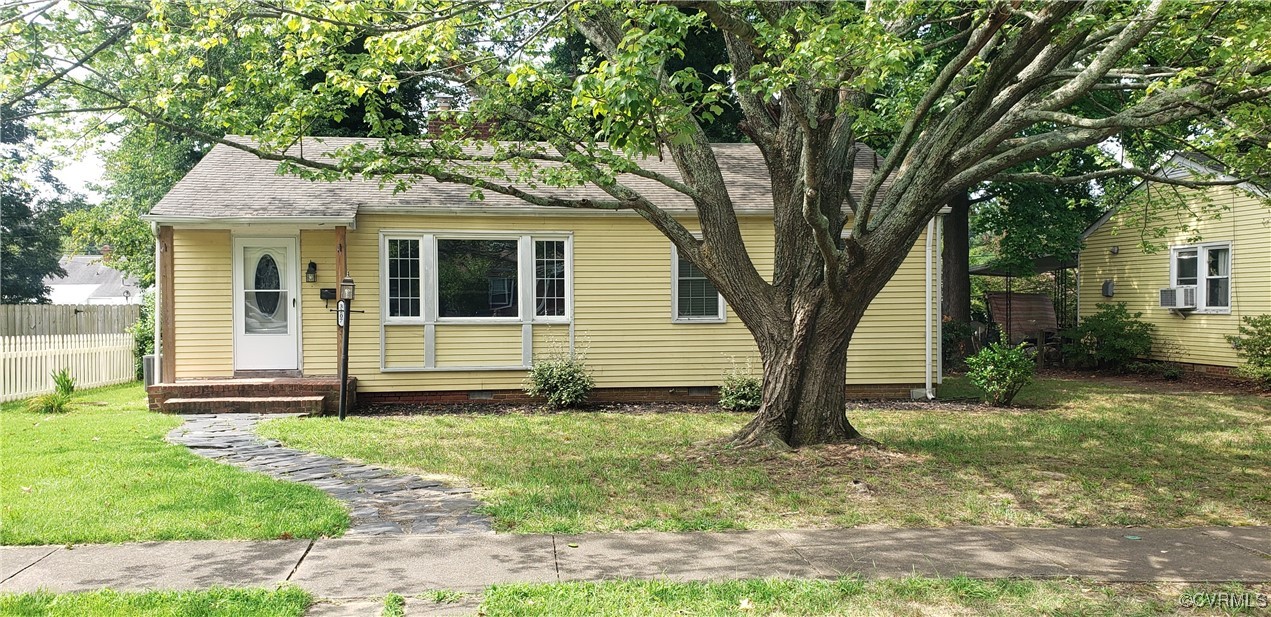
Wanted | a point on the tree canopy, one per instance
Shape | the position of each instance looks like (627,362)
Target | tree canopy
(953,95)
(31,201)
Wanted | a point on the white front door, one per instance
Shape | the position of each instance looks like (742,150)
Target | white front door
(266,327)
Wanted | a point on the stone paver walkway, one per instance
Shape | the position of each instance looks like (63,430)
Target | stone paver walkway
(382,502)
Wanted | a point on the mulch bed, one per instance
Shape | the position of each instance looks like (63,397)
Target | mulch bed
(1194,382)
(493,409)
(1189,383)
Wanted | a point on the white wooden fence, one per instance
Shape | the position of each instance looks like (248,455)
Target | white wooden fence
(26,362)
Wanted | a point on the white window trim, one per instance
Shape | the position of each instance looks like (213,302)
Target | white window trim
(569,279)
(428,276)
(1202,281)
(423,281)
(675,296)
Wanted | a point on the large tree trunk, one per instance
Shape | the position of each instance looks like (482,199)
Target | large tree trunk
(804,375)
(957,260)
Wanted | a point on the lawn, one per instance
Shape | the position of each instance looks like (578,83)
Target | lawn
(102,473)
(913,596)
(286,602)
(1079,453)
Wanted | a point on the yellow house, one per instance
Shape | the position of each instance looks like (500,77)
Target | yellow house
(457,297)
(1200,279)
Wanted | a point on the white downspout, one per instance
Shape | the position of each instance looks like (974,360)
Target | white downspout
(926,312)
(158,365)
(939,304)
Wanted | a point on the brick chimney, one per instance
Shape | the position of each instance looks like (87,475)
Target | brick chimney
(444,117)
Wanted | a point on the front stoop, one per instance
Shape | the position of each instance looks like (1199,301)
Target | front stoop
(311,405)
(307,395)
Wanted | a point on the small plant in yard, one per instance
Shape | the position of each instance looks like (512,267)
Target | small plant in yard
(63,383)
(1001,371)
(57,401)
(560,377)
(1253,345)
(1111,338)
(741,390)
(53,402)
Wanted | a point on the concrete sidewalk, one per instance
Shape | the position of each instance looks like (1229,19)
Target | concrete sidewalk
(370,567)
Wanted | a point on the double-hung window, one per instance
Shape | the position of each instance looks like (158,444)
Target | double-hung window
(1207,267)
(694,298)
(442,277)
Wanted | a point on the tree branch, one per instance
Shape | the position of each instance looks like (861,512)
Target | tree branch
(120,31)
(1051,180)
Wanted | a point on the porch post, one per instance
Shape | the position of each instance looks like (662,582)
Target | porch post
(167,312)
(341,269)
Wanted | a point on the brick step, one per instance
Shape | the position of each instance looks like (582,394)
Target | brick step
(226,392)
(207,388)
(245,404)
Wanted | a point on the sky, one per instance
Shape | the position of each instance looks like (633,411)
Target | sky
(78,174)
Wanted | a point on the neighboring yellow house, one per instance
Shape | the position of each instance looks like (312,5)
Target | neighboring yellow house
(460,296)
(1201,281)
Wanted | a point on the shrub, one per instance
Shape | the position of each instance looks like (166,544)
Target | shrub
(561,378)
(1109,339)
(1001,371)
(740,391)
(143,332)
(1253,345)
(63,383)
(53,402)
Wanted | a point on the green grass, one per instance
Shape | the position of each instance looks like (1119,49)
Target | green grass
(394,606)
(914,596)
(102,473)
(285,602)
(1079,454)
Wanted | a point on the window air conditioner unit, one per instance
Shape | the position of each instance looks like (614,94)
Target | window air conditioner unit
(1178,298)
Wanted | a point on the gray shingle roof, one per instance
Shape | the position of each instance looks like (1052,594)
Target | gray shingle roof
(232,184)
(89,270)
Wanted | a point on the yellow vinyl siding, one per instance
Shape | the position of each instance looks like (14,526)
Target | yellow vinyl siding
(462,345)
(204,328)
(887,347)
(1245,222)
(317,322)
(403,346)
(622,313)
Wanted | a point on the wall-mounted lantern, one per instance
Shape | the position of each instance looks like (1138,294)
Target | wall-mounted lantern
(1114,250)
(311,275)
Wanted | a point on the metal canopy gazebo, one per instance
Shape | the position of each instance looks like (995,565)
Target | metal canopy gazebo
(1064,314)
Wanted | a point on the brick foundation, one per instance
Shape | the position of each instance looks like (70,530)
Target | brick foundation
(1206,369)
(707,395)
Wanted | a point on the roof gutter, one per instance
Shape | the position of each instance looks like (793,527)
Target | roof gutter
(302,221)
